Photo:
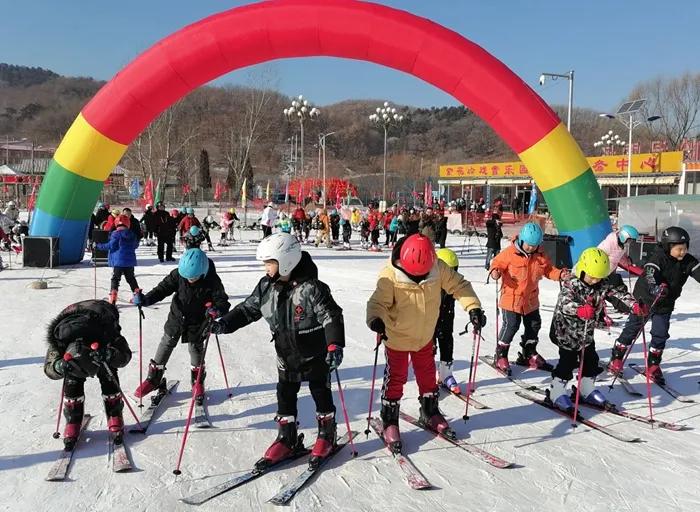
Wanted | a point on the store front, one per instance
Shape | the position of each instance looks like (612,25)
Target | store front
(652,173)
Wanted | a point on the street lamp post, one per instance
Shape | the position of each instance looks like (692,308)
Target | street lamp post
(631,122)
(570,77)
(302,110)
(322,147)
(385,117)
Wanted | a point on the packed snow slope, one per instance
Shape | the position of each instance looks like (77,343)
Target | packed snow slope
(557,467)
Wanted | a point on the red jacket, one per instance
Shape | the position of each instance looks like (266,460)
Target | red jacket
(186,224)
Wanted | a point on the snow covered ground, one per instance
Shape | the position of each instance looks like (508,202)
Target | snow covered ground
(557,468)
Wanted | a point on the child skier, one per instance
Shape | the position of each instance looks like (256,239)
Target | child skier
(665,273)
(309,335)
(194,284)
(615,245)
(404,311)
(494,234)
(195,237)
(71,357)
(581,298)
(347,232)
(364,232)
(122,256)
(521,266)
(443,338)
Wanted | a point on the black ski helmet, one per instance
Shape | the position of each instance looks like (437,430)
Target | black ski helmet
(674,235)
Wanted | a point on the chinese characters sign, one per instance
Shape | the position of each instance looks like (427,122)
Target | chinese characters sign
(643,163)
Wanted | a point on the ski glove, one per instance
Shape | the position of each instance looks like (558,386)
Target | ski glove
(377,325)
(213,312)
(139,299)
(640,309)
(659,291)
(102,355)
(217,327)
(334,357)
(477,318)
(585,312)
(68,367)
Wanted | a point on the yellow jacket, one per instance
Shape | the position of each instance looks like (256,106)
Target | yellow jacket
(355,217)
(410,311)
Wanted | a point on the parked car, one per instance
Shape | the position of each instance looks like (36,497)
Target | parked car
(353,202)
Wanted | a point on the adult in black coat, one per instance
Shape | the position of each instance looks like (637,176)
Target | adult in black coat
(494,234)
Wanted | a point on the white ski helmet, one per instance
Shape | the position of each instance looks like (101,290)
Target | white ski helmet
(282,247)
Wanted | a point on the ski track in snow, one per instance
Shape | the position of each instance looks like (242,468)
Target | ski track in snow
(556,466)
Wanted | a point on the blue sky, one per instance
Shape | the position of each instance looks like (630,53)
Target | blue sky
(610,45)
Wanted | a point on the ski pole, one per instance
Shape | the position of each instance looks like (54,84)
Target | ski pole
(371,390)
(223,366)
(469,380)
(94,265)
(141,317)
(95,346)
(646,373)
(345,413)
(57,434)
(641,329)
(177,471)
(580,374)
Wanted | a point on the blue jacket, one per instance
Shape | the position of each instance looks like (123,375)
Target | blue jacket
(122,248)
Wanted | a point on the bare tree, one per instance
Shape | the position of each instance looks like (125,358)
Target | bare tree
(677,100)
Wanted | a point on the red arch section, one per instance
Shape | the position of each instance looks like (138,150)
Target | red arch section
(349,29)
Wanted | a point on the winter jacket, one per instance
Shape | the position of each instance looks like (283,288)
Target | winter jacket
(12,212)
(299,215)
(355,218)
(86,322)
(149,218)
(110,223)
(567,328)
(494,234)
(659,268)
(520,275)
(388,217)
(412,224)
(187,223)
(617,255)
(323,222)
(122,248)
(303,317)
(269,216)
(394,224)
(166,225)
(410,310)
(426,225)
(101,215)
(227,220)
(445,324)
(188,305)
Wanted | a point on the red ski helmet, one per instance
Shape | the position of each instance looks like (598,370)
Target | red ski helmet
(417,255)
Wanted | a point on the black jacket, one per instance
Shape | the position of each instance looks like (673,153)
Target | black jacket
(494,234)
(86,322)
(149,218)
(166,225)
(446,320)
(659,268)
(303,317)
(188,306)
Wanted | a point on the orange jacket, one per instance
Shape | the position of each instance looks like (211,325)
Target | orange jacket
(520,276)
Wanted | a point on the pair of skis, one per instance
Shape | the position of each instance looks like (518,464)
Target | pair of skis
(286,492)
(117,452)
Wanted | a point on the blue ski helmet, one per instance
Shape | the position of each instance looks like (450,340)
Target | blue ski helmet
(190,211)
(183,210)
(193,264)
(626,232)
(195,230)
(531,234)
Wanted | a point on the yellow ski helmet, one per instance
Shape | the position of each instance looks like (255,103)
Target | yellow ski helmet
(594,262)
(448,256)
(232,210)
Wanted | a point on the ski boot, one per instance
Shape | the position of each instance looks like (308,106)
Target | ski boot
(326,440)
(591,395)
(446,379)
(113,297)
(653,366)
(113,408)
(285,445)
(198,387)
(558,397)
(73,409)
(616,359)
(530,358)
(431,416)
(152,381)
(501,357)
(390,422)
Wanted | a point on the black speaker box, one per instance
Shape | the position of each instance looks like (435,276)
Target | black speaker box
(557,248)
(40,251)
(99,236)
